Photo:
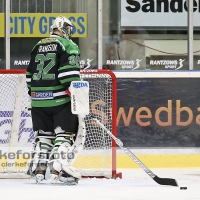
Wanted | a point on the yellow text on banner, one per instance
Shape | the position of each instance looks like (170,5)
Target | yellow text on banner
(38,24)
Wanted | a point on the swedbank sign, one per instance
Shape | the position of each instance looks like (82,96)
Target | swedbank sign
(144,116)
(157,13)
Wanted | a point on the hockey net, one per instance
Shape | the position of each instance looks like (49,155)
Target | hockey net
(98,158)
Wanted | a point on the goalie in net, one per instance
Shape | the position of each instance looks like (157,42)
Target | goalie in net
(60,134)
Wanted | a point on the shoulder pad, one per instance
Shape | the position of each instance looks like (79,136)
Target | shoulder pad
(48,40)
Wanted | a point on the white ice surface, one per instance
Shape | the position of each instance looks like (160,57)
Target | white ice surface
(134,185)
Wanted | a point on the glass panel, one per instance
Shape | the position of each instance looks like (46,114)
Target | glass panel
(23,6)
(32,6)
(40,6)
(196,37)
(27,29)
(15,6)
(48,6)
(145,35)
(2,39)
(89,44)
(1,6)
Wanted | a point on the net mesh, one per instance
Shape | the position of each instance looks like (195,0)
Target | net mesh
(98,144)
(96,159)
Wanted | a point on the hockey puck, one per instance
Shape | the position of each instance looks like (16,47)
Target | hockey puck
(183,188)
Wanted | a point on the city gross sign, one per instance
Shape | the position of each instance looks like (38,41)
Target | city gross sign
(38,24)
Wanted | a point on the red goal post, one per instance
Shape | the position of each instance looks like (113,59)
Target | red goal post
(98,158)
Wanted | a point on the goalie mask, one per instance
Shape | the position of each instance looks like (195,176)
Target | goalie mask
(63,25)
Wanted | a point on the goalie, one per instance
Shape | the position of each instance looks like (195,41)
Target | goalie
(60,135)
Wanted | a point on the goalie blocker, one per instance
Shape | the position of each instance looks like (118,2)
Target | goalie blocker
(79,92)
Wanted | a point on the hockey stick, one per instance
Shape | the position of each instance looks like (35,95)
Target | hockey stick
(79,92)
(161,181)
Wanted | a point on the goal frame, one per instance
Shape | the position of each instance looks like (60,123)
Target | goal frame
(114,113)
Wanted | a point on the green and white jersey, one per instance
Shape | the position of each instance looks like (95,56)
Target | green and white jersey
(54,64)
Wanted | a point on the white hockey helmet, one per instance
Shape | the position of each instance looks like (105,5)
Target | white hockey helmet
(63,25)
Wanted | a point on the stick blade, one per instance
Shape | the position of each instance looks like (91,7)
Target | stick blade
(165,181)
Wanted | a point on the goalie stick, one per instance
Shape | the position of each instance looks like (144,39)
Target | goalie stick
(79,92)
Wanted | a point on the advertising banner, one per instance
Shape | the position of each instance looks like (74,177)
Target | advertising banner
(151,113)
(167,62)
(171,62)
(158,112)
(157,13)
(38,24)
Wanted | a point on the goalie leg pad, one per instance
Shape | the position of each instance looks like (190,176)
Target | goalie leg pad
(42,146)
(61,163)
(66,154)
(71,152)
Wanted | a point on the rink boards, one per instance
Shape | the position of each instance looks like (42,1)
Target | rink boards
(152,158)
(171,139)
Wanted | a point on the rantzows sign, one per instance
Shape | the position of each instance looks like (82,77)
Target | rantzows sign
(170,62)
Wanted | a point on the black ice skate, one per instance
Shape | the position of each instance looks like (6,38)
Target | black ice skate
(63,177)
(39,173)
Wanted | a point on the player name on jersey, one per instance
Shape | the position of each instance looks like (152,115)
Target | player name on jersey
(46,48)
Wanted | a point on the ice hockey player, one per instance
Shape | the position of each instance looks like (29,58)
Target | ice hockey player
(54,64)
